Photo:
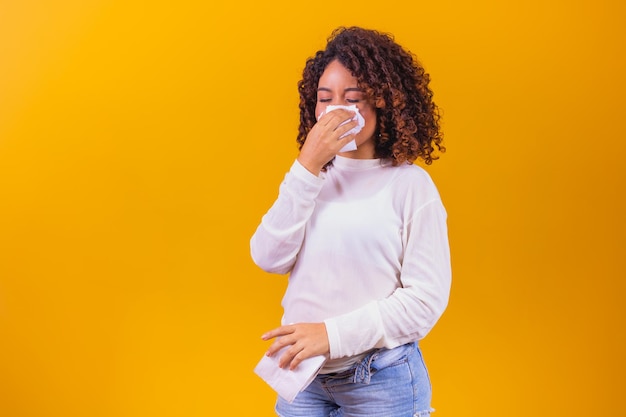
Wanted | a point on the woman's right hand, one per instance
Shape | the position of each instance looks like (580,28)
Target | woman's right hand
(323,143)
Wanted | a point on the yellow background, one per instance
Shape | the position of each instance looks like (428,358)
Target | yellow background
(140,143)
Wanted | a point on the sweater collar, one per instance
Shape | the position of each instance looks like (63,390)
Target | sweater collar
(342,162)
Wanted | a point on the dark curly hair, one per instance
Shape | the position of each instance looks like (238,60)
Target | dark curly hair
(395,83)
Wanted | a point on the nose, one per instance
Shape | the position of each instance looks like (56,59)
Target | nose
(340,101)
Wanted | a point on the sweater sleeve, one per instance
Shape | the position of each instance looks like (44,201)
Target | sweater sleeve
(278,239)
(412,310)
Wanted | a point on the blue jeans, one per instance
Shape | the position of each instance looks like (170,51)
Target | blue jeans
(386,383)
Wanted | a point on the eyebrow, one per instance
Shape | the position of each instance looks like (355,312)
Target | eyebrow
(345,90)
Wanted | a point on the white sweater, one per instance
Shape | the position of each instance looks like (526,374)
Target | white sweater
(367,250)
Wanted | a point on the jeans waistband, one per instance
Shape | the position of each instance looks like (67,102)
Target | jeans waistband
(361,372)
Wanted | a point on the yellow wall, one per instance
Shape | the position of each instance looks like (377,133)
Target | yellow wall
(140,142)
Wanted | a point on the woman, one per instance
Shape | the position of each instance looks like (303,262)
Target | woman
(361,232)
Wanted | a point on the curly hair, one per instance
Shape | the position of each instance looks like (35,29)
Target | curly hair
(393,80)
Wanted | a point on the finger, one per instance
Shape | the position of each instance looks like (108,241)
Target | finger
(279,344)
(286,361)
(346,126)
(341,130)
(279,331)
(297,359)
(343,141)
(343,118)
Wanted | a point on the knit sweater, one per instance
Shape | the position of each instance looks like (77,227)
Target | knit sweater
(366,248)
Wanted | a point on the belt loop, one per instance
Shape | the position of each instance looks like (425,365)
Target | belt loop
(363,372)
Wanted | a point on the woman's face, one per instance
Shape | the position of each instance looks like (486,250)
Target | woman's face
(337,86)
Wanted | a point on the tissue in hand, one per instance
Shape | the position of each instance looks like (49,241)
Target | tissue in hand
(288,383)
(350,146)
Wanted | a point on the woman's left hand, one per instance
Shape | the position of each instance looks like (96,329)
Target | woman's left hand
(306,340)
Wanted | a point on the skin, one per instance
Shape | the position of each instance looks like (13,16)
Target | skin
(337,86)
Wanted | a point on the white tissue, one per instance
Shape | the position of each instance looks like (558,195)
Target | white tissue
(285,382)
(350,146)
